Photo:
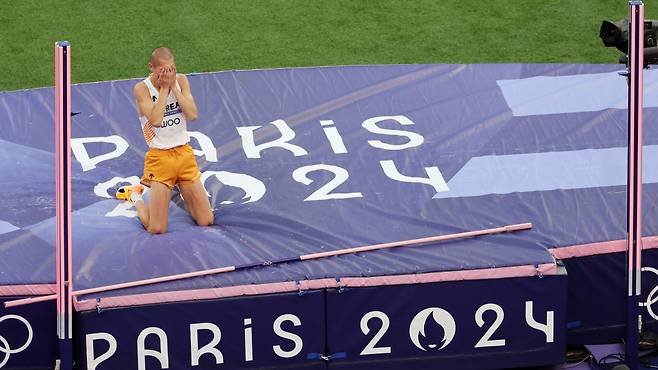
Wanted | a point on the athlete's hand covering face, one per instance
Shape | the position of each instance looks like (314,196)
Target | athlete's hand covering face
(169,75)
(166,76)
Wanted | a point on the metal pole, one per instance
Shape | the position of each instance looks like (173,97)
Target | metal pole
(63,202)
(634,180)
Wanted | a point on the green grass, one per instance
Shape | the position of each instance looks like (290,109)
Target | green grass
(112,39)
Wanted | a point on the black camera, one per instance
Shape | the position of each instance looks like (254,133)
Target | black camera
(616,35)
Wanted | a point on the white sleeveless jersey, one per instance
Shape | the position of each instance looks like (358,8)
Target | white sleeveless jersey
(173,131)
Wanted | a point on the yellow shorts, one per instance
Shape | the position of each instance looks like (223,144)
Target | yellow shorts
(170,166)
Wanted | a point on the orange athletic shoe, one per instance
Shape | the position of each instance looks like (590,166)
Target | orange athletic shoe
(124,192)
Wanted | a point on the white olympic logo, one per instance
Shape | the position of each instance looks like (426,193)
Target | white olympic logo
(653,295)
(5,348)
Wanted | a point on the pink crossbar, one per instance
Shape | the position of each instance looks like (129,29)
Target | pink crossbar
(291,286)
(581,250)
(591,249)
(27,289)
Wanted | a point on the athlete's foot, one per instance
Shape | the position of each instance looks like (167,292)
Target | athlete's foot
(132,193)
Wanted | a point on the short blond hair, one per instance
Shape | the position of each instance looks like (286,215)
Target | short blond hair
(161,53)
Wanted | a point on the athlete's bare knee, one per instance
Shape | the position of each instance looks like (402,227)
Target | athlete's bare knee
(206,220)
(157,229)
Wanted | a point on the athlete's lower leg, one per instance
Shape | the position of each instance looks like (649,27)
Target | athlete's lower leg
(142,212)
